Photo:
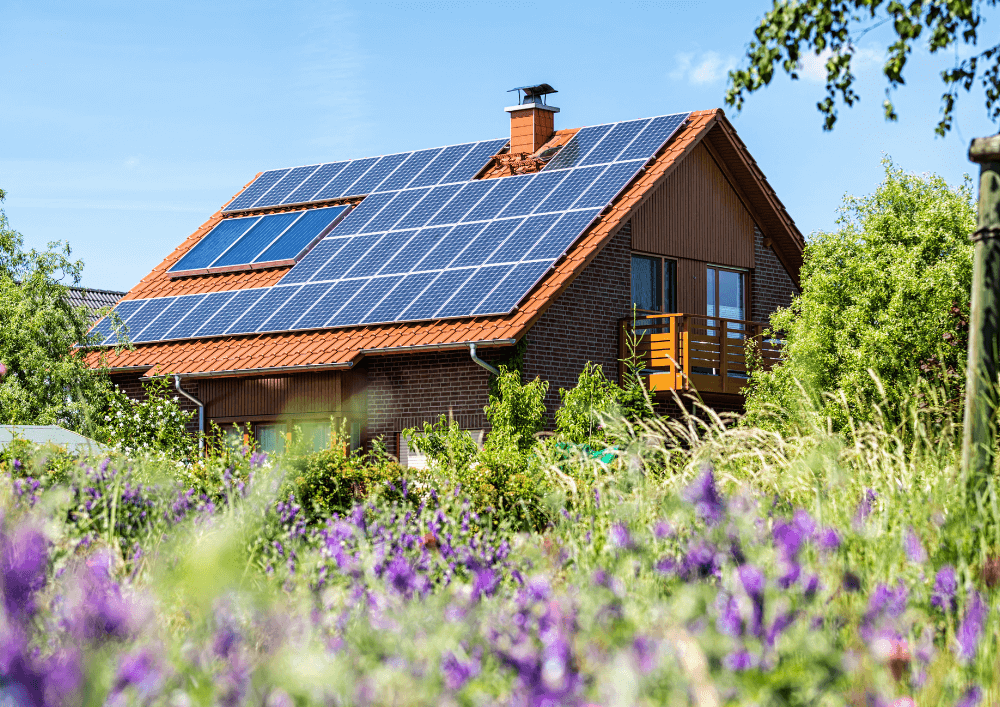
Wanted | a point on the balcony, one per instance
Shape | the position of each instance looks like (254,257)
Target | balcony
(696,352)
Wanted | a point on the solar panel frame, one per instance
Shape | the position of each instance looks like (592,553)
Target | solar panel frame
(435,295)
(380,171)
(615,142)
(331,302)
(474,161)
(442,164)
(521,279)
(338,186)
(187,327)
(226,315)
(261,310)
(296,307)
(576,150)
(314,224)
(424,210)
(146,316)
(161,326)
(214,243)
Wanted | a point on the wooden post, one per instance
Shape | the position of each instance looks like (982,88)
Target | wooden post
(675,352)
(723,363)
(984,320)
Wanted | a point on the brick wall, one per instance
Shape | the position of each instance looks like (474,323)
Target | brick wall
(582,324)
(772,287)
(131,385)
(407,390)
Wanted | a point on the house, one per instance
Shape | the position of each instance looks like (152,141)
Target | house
(379,291)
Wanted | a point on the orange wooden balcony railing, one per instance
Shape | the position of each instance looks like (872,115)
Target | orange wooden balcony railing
(696,352)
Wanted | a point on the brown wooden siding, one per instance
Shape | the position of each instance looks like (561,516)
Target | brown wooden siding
(270,397)
(696,214)
(691,288)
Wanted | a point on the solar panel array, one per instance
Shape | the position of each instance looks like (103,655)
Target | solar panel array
(258,239)
(339,180)
(423,248)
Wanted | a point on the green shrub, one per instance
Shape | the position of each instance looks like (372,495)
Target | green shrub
(585,407)
(882,307)
(155,425)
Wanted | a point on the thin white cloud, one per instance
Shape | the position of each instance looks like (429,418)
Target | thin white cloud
(812,67)
(708,67)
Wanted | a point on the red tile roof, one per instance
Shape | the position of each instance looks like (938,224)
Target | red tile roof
(345,347)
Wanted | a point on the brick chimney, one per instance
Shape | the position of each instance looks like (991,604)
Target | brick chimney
(532,122)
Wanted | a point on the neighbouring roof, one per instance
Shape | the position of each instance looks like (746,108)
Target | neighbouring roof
(344,347)
(93,300)
(48,434)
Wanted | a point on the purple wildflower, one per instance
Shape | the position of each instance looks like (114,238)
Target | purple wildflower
(852,582)
(485,583)
(645,651)
(23,559)
(829,539)
(804,524)
(865,507)
(140,670)
(665,566)
(739,661)
(704,496)
(729,621)
(971,629)
(788,539)
(971,697)
(753,580)
(456,672)
(945,584)
(620,537)
(663,530)
(913,547)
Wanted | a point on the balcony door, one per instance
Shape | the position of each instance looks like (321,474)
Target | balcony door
(654,284)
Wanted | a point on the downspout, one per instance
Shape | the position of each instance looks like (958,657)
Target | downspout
(201,412)
(481,362)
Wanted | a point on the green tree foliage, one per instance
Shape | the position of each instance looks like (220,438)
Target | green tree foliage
(587,406)
(879,296)
(831,27)
(44,381)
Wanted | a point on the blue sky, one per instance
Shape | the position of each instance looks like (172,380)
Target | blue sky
(127,124)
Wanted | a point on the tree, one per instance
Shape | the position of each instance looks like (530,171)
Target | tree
(831,28)
(881,294)
(44,381)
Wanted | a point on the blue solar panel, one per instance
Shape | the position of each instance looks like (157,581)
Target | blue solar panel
(474,161)
(374,259)
(319,179)
(577,181)
(289,183)
(227,314)
(427,207)
(513,287)
(124,310)
(364,212)
(369,296)
(522,240)
(314,260)
(576,149)
(488,244)
(501,195)
(261,310)
(329,304)
(442,164)
(377,174)
(653,137)
(390,308)
(540,187)
(450,246)
(561,236)
(415,250)
(256,240)
(397,208)
(256,190)
(301,234)
(473,291)
(214,243)
(609,184)
(352,252)
(467,197)
(338,186)
(615,142)
(409,169)
(297,305)
(435,295)
(483,245)
(189,325)
(145,316)
(161,326)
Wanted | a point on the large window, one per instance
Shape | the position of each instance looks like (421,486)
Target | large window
(726,293)
(654,284)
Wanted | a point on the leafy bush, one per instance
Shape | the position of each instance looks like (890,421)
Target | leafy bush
(586,407)
(155,425)
(887,295)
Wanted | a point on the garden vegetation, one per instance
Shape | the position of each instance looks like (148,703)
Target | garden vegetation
(820,551)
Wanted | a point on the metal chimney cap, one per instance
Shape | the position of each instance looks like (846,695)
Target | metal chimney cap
(533,94)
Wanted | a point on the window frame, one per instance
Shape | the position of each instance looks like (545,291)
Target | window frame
(668,286)
(744,273)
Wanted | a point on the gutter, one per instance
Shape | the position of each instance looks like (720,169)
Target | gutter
(201,412)
(481,362)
